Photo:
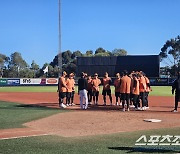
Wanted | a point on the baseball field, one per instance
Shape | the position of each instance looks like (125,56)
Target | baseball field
(32,122)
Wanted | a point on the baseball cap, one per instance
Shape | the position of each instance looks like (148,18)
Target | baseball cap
(95,74)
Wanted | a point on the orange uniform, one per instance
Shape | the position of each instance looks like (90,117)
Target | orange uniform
(117,85)
(125,84)
(135,90)
(89,84)
(70,84)
(73,84)
(147,84)
(142,84)
(62,84)
(106,83)
(95,84)
(132,83)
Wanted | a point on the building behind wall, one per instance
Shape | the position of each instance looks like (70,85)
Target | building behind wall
(149,64)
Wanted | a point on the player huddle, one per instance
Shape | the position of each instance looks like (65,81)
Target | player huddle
(130,90)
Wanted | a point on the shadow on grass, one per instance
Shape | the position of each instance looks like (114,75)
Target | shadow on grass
(145,150)
(35,106)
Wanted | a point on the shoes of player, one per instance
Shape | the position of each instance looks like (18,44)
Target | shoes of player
(132,106)
(143,108)
(174,110)
(128,109)
(120,104)
(63,105)
(67,105)
(117,103)
(73,104)
(89,103)
(123,110)
(147,107)
(85,107)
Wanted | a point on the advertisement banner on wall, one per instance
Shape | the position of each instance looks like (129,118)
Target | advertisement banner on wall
(3,82)
(52,81)
(13,81)
(43,81)
(29,81)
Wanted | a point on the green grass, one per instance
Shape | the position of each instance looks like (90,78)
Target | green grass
(102,144)
(157,90)
(161,91)
(13,115)
(29,89)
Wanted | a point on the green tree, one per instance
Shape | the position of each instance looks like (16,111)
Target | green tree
(16,65)
(102,54)
(170,53)
(100,50)
(119,52)
(34,68)
(76,54)
(66,57)
(3,60)
(89,53)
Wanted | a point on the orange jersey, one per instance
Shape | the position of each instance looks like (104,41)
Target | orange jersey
(117,85)
(62,84)
(106,83)
(89,84)
(95,84)
(147,84)
(132,83)
(125,85)
(73,83)
(70,85)
(135,88)
(142,84)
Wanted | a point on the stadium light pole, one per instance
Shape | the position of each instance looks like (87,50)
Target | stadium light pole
(59,40)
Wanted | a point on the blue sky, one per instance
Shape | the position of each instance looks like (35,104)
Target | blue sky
(138,26)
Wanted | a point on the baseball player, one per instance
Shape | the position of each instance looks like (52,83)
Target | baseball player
(148,89)
(106,88)
(70,86)
(142,89)
(135,91)
(117,87)
(89,80)
(176,88)
(95,88)
(73,88)
(62,89)
(125,86)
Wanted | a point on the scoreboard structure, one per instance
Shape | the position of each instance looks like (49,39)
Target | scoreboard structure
(150,64)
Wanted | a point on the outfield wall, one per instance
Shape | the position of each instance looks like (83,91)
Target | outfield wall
(54,81)
(150,64)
